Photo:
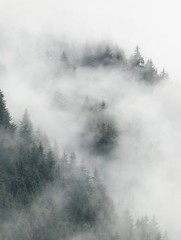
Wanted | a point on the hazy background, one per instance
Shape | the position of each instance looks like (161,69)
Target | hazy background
(150,118)
(154,25)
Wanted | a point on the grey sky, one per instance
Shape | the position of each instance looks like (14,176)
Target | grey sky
(153,25)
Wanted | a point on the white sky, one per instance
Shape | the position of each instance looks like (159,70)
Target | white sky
(153,25)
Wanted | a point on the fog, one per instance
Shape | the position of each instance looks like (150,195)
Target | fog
(142,173)
(154,25)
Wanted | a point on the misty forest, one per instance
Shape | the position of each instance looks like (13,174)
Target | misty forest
(82,141)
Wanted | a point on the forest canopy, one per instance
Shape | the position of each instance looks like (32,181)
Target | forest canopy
(49,193)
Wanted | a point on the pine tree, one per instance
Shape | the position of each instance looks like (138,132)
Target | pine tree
(150,73)
(5,118)
(88,57)
(26,129)
(163,75)
(137,60)
(108,56)
(106,138)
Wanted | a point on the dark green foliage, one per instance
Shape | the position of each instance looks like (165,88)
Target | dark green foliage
(104,55)
(75,200)
(86,202)
(23,176)
(150,73)
(146,228)
(141,229)
(137,60)
(5,118)
(88,58)
(26,129)
(145,71)
(41,199)
(105,139)
(101,133)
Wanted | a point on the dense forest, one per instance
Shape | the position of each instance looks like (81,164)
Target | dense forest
(105,56)
(49,193)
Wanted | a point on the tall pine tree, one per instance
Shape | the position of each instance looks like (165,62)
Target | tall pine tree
(26,129)
(5,118)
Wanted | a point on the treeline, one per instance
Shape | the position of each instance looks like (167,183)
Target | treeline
(44,196)
(106,56)
(25,164)
(67,197)
(141,229)
(101,133)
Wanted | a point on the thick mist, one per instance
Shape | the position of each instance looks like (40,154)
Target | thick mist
(142,170)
